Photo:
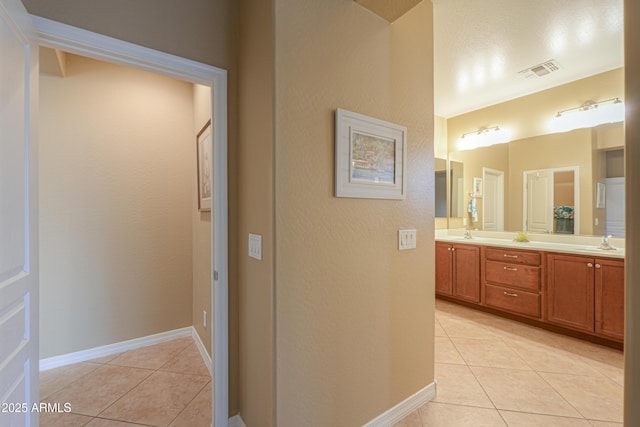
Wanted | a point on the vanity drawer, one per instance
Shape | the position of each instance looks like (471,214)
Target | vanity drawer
(513,256)
(514,275)
(516,301)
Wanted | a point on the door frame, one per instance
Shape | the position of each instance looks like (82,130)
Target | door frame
(500,199)
(576,194)
(71,39)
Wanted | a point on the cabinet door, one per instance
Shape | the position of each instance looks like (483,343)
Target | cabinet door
(609,298)
(443,269)
(570,299)
(466,272)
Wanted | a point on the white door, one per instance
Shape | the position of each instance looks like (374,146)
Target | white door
(614,206)
(493,203)
(18,219)
(539,201)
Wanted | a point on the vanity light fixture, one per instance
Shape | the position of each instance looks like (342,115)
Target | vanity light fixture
(484,137)
(588,115)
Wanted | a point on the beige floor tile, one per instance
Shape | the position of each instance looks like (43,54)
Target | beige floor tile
(411,420)
(188,361)
(154,356)
(457,385)
(95,391)
(101,422)
(157,400)
(439,332)
(609,370)
(462,328)
(549,359)
(522,419)
(445,352)
(198,412)
(58,378)
(604,424)
(54,419)
(446,415)
(491,353)
(105,359)
(597,398)
(522,391)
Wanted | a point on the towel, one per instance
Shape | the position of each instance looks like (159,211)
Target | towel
(473,210)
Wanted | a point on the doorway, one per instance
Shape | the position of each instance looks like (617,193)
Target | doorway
(493,203)
(70,39)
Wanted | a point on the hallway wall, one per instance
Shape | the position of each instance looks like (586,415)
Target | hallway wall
(116,174)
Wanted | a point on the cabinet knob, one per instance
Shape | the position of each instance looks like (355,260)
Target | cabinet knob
(453,249)
(448,249)
(589,265)
(598,266)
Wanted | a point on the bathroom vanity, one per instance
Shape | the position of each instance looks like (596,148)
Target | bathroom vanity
(567,284)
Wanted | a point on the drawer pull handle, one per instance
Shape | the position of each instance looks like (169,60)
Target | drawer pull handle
(510,269)
(510,256)
(510,294)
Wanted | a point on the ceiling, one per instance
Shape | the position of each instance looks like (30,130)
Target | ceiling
(482,45)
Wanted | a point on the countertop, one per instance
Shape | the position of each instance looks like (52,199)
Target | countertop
(579,245)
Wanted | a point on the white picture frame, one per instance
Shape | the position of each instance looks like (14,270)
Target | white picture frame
(370,157)
(477,187)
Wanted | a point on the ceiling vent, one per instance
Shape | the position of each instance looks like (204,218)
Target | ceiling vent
(540,70)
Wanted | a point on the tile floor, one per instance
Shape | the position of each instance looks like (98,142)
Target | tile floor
(166,384)
(496,372)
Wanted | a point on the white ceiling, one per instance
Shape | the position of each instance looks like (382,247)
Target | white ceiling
(481,45)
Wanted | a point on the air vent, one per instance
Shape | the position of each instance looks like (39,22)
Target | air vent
(540,70)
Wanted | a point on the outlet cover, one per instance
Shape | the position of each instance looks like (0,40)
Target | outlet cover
(255,246)
(406,239)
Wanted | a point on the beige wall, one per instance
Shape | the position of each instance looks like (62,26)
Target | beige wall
(201,31)
(354,316)
(201,228)
(256,212)
(116,179)
(529,116)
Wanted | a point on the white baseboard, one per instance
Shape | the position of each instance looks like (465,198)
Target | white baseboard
(404,408)
(236,421)
(201,348)
(119,347)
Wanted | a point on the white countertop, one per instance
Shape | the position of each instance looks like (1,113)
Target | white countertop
(580,245)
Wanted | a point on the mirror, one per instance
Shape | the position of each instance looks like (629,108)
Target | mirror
(581,168)
(441,187)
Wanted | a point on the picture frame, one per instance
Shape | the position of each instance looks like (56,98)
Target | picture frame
(600,195)
(204,153)
(477,187)
(370,157)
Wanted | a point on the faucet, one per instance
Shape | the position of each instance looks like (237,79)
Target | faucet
(467,234)
(605,243)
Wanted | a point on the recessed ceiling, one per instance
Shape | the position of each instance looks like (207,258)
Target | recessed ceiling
(491,51)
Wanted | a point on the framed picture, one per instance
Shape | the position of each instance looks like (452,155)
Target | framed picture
(600,194)
(477,187)
(370,158)
(204,149)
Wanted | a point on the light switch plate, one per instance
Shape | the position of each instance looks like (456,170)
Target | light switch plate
(406,239)
(255,246)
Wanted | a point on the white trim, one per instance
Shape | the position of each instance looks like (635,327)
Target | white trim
(108,350)
(201,348)
(75,40)
(236,421)
(405,407)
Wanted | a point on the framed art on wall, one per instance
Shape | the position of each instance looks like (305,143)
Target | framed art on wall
(370,158)
(204,148)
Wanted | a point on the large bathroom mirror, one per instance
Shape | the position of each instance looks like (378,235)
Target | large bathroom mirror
(441,187)
(565,183)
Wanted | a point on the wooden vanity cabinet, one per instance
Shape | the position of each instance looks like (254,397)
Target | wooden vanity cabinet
(609,298)
(586,294)
(570,291)
(458,271)
(512,281)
